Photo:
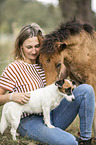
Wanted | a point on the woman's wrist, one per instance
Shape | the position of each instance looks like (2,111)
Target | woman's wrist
(11,96)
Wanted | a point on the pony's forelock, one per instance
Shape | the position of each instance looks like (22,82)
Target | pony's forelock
(64,31)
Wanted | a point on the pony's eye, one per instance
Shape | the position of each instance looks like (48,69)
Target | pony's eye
(58,65)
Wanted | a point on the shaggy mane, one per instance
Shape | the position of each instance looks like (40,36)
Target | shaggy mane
(64,31)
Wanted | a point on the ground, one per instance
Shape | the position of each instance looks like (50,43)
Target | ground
(6,138)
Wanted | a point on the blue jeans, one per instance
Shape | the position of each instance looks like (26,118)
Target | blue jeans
(34,128)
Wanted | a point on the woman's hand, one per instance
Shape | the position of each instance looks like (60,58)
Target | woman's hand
(21,98)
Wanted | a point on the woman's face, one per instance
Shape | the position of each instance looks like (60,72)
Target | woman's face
(31,48)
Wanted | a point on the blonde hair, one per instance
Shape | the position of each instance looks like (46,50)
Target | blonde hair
(26,32)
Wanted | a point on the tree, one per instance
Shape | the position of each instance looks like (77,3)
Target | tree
(9,12)
(15,14)
(77,8)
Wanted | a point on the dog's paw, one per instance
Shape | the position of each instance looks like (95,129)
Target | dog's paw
(17,134)
(14,138)
(51,126)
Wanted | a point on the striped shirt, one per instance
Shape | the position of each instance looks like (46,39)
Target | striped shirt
(22,77)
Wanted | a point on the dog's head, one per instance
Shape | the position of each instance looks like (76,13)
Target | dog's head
(66,87)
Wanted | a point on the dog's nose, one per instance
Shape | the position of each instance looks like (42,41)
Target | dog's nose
(73,99)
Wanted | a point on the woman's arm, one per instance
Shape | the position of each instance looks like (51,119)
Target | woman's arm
(4,98)
(21,98)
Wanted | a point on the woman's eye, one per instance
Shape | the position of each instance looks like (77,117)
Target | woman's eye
(29,47)
(37,46)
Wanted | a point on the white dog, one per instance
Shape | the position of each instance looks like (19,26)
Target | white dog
(41,100)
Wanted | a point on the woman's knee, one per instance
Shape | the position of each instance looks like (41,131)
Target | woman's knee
(62,137)
(84,90)
(88,88)
(66,141)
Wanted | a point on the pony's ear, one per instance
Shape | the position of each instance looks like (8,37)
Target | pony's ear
(89,28)
(59,83)
(39,33)
(61,47)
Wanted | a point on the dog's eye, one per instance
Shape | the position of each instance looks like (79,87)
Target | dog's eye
(68,89)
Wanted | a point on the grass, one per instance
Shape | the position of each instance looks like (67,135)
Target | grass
(6,139)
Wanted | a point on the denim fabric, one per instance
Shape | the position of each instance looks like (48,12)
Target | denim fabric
(34,128)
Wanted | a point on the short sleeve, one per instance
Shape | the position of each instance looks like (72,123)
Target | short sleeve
(7,79)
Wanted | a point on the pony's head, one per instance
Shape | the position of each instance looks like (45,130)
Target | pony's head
(60,45)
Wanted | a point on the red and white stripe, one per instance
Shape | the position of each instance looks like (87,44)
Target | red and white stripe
(22,77)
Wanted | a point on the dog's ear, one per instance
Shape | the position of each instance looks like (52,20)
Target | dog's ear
(59,83)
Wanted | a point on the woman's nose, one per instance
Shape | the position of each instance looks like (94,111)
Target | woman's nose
(34,50)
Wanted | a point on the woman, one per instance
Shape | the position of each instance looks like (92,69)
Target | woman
(25,74)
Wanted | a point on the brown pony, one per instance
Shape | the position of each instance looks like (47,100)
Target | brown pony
(74,44)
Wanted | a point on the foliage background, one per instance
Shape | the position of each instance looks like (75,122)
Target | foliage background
(14,14)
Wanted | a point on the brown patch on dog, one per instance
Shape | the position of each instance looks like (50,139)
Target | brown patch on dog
(67,84)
